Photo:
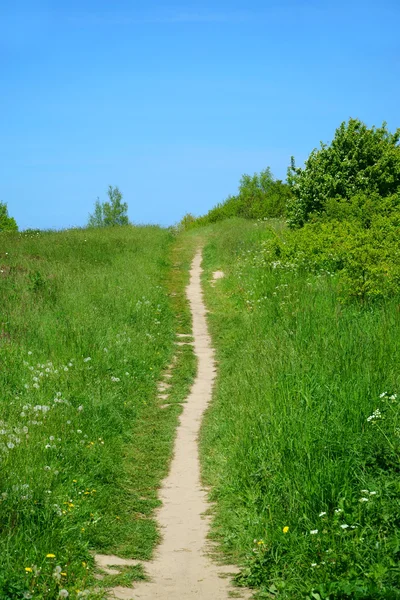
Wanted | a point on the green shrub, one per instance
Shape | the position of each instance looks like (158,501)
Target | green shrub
(7,223)
(260,196)
(359,160)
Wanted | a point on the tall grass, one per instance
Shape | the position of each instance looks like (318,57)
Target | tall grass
(86,329)
(301,443)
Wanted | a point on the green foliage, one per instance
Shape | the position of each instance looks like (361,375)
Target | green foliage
(109,214)
(355,240)
(301,445)
(7,223)
(359,160)
(260,196)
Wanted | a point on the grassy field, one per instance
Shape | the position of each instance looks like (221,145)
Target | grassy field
(87,326)
(301,443)
(300,446)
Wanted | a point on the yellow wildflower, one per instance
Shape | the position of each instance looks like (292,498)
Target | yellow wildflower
(28,569)
(285,529)
(50,555)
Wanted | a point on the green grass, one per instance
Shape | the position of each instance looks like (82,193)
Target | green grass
(287,442)
(87,327)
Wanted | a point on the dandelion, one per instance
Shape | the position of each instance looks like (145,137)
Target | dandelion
(63,594)
(285,529)
(50,555)
(28,569)
(314,531)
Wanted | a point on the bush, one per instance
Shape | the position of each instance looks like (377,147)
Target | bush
(260,196)
(356,240)
(7,223)
(359,160)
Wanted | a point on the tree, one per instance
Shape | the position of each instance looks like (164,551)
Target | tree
(359,160)
(7,223)
(261,196)
(110,213)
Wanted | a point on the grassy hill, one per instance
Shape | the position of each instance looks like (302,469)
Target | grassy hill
(301,445)
(87,327)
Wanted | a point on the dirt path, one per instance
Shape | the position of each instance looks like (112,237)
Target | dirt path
(182,569)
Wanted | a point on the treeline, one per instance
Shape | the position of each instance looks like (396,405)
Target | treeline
(347,179)
(259,196)
(342,209)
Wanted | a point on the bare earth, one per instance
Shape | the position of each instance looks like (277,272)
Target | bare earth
(182,569)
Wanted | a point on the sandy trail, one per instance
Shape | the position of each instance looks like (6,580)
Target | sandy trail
(182,570)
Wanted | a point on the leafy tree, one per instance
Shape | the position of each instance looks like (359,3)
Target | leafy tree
(261,196)
(110,213)
(359,160)
(7,223)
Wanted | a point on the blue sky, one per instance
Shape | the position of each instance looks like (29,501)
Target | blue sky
(173,102)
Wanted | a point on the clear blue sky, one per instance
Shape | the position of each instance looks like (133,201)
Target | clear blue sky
(173,102)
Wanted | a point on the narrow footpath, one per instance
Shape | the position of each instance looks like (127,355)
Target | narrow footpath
(182,568)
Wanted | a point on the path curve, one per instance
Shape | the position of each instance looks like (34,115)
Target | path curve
(182,569)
